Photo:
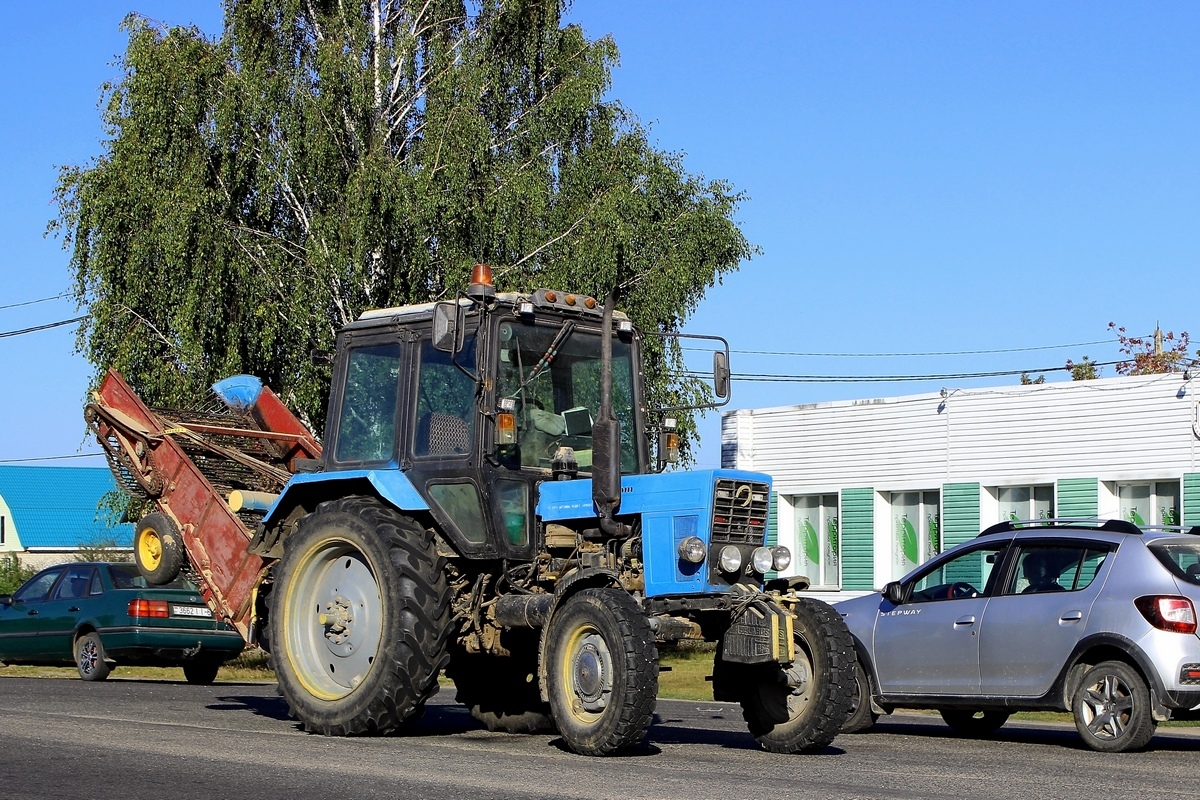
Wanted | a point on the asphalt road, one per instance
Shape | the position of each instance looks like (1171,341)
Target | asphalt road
(139,740)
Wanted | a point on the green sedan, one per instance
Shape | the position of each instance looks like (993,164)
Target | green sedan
(99,615)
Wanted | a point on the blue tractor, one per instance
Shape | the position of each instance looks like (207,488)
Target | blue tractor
(492,501)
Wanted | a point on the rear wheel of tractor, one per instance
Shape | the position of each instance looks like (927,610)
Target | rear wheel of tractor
(360,617)
(861,716)
(158,549)
(602,671)
(502,692)
(800,708)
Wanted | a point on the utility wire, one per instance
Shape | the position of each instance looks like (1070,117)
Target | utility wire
(47,326)
(46,458)
(31,302)
(766,377)
(914,355)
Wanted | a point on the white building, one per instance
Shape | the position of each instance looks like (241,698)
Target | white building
(866,489)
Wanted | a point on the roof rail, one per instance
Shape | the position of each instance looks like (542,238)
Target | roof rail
(1114,525)
(1194,530)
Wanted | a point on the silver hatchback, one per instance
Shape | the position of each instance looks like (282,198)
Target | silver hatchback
(1093,617)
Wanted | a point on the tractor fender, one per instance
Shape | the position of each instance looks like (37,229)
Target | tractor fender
(586,578)
(307,489)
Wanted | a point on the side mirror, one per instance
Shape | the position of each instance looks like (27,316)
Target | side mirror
(894,593)
(721,374)
(447,328)
(5,599)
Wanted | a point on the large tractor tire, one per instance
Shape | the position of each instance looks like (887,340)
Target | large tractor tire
(601,671)
(360,618)
(502,691)
(799,708)
(158,549)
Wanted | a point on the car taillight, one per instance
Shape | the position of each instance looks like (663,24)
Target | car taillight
(1168,612)
(149,608)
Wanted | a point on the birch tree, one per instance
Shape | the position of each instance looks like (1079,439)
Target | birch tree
(258,190)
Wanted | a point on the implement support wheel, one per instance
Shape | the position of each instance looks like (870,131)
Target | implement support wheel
(158,549)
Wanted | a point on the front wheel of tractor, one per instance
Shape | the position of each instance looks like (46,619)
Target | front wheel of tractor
(602,671)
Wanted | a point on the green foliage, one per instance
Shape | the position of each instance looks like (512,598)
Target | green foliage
(260,190)
(1085,370)
(13,573)
(1028,381)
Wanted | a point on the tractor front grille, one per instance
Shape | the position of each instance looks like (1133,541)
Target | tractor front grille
(740,511)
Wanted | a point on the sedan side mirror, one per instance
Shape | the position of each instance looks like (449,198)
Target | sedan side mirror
(5,599)
(894,593)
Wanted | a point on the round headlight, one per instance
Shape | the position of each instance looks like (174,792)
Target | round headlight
(762,560)
(783,557)
(731,559)
(692,550)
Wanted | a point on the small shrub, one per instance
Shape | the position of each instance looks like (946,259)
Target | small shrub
(13,573)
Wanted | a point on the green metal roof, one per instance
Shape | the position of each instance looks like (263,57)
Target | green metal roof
(57,507)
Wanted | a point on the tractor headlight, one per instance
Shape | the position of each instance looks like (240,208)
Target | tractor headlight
(692,550)
(761,559)
(782,558)
(731,559)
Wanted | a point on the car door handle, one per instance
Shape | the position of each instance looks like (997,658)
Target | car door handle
(33,613)
(1071,616)
(73,608)
(967,620)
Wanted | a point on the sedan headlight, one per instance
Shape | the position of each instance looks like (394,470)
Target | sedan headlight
(692,550)
(762,559)
(730,559)
(782,558)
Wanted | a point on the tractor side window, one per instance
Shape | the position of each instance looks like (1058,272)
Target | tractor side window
(445,402)
(367,423)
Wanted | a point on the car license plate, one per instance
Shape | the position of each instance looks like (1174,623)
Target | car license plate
(191,611)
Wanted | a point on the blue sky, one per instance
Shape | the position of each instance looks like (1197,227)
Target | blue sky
(921,177)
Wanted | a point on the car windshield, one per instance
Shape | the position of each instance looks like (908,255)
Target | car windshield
(126,576)
(1181,558)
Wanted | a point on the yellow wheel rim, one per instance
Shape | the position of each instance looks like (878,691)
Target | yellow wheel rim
(586,674)
(149,548)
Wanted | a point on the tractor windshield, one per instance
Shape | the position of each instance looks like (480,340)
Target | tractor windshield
(553,374)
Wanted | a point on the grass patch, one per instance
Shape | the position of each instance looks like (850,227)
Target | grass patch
(686,665)
(249,667)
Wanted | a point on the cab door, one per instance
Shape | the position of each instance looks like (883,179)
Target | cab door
(929,645)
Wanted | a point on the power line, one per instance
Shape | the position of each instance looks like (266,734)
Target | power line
(47,326)
(32,302)
(914,355)
(766,377)
(46,458)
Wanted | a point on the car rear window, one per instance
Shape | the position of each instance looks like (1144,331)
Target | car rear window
(126,576)
(1181,558)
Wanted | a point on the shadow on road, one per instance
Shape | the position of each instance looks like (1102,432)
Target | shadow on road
(1165,739)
